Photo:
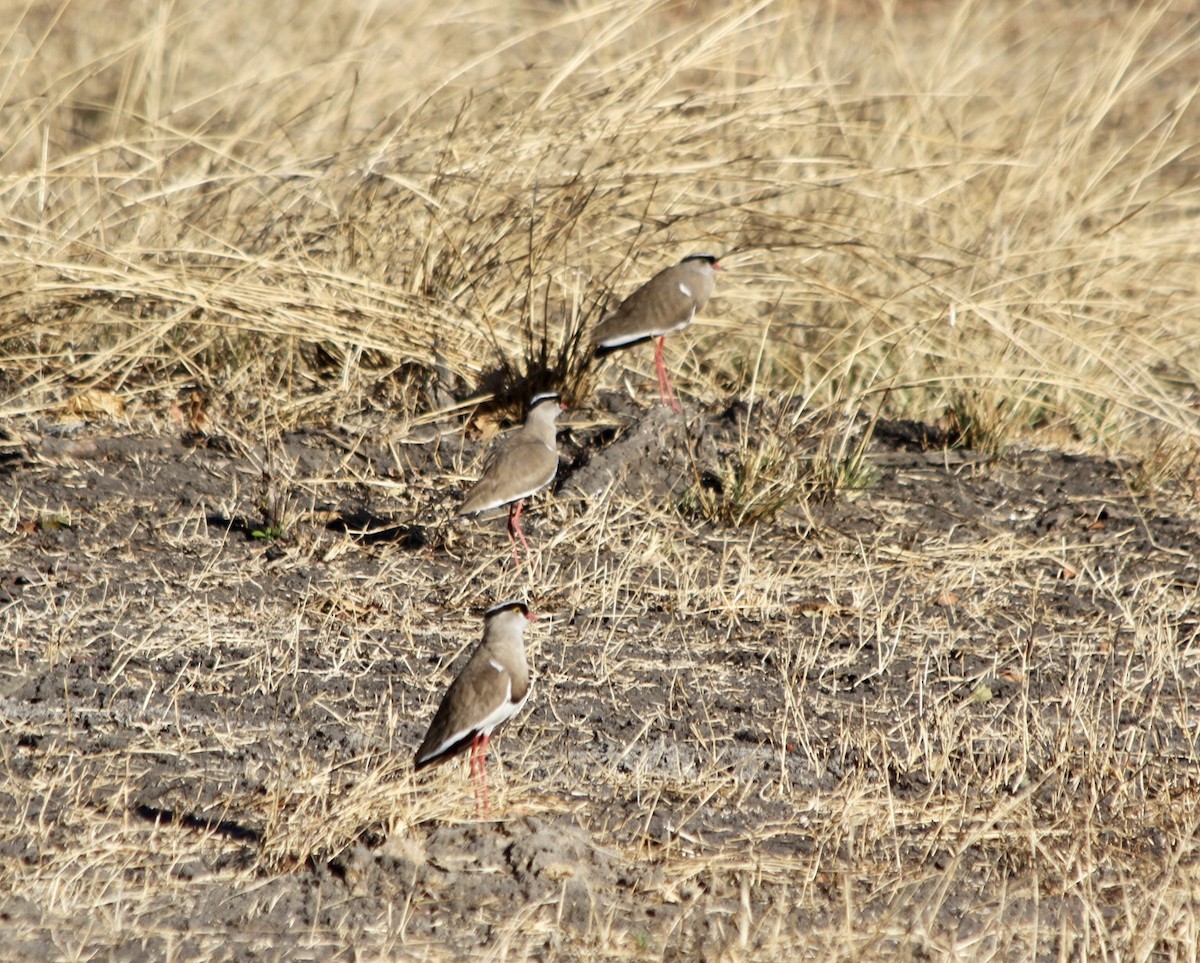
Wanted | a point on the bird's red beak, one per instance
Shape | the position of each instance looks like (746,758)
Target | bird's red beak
(717,266)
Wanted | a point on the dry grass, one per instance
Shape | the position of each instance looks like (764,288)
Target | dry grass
(792,735)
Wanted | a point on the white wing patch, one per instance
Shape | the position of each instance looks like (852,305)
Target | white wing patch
(495,665)
(617,340)
(685,290)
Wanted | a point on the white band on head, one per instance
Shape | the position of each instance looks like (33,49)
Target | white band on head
(511,603)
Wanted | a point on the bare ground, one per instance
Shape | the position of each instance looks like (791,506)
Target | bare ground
(847,731)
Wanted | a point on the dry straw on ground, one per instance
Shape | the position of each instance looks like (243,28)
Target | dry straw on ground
(890,649)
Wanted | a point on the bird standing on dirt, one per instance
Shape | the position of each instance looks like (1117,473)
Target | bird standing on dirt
(491,688)
(667,302)
(520,465)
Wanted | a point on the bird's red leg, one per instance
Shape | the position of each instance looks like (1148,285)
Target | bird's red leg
(514,530)
(474,757)
(665,394)
(514,526)
(478,773)
(483,741)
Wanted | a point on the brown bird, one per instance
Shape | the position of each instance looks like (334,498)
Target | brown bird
(520,465)
(667,302)
(491,688)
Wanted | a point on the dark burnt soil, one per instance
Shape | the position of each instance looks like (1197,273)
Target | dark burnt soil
(188,616)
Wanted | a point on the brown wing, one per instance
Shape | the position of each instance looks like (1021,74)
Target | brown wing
(472,703)
(519,468)
(665,303)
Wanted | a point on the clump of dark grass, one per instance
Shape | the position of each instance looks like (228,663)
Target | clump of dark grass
(981,421)
(783,461)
